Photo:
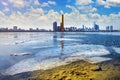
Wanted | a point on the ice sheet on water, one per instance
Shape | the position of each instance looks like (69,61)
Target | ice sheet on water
(20,54)
(32,64)
(97,59)
(117,50)
(54,57)
(90,50)
(109,33)
(22,66)
(20,38)
(67,39)
(75,36)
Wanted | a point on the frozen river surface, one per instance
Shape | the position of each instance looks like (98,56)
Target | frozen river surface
(21,52)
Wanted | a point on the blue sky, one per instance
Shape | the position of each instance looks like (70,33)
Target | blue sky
(42,13)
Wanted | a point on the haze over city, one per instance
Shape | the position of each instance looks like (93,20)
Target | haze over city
(42,13)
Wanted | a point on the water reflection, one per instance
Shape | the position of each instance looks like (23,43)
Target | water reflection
(59,43)
(62,56)
(65,46)
(15,35)
(55,40)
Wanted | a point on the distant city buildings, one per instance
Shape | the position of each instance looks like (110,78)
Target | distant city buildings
(62,28)
(55,28)
(62,23)
(109,28)
(96,27)
(16,29)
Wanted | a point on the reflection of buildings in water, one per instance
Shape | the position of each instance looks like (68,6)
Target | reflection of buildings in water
(61,44)
(15,35)
(62,56)
(55,39)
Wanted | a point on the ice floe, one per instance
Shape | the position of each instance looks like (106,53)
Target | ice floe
(49,50)
(67,39)
(97,59)
(55,57)
(117,50)
(20,54)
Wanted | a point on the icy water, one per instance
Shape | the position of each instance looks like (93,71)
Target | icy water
(21,52)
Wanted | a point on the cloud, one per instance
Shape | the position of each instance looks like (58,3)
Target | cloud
(47,4)
(75,18)
(71,7)
(87,9)
(27,3)
(34,18)
(94,16)
(83,2)
(52,2)
(20,3)
(4,3)
(39,18)
(6,9)
(36,2)
(85,6)
(2,14)
(109,3)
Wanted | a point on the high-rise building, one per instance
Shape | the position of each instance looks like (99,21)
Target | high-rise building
(111,28)
(15,28)
(107,28)
(55,26)
(96,27)
(62,23)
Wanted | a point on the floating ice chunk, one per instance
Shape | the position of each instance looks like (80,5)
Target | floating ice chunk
(67,39)
(22,66)
(117,50)
(49,63)
(110,33)
(97,59)
(75,36)
(90,50)
(44,46)
(50,58)
(49,52)
(20,54)
(72,59)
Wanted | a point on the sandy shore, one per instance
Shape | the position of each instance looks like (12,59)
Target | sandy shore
(78,70)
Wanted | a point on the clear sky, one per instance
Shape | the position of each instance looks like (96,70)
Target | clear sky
(42,13)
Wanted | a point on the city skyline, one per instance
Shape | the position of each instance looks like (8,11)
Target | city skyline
(62,28)
(94,28)
(42,13)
